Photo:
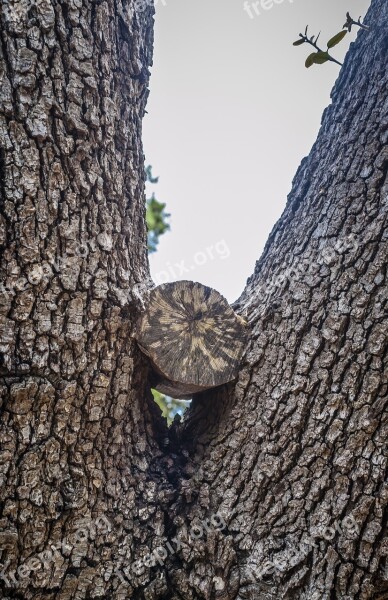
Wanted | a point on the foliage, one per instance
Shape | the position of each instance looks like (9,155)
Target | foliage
(322,56)
(156,217)
(169,406)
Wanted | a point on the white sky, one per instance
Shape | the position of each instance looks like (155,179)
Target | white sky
(231,114)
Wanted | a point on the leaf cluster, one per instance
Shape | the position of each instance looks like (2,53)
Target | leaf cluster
(319,57)
(170,407)
(156,216)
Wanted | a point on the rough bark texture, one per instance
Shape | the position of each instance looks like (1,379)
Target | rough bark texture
(76,438)
(271,488)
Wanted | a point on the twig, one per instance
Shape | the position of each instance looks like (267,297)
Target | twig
(313,42)
(350,22)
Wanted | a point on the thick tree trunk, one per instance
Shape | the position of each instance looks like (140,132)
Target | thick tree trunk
(271,488)
(77,441)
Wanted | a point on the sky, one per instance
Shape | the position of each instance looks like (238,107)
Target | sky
(232,112)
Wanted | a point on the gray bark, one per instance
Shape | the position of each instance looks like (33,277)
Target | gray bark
(272,487)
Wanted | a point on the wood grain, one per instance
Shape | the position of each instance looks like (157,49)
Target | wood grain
(193,337)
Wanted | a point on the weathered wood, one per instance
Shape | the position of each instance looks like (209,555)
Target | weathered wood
(193,337)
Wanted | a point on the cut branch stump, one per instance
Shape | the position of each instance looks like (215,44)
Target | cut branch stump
(194,339)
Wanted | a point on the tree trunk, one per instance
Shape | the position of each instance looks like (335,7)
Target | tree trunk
(272,487)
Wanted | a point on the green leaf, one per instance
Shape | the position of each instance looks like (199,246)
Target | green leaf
(298,42)
(317,58)
(310,60)
(157,221)
(336,39)
(320,58)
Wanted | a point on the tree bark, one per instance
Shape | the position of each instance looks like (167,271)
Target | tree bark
(272,487)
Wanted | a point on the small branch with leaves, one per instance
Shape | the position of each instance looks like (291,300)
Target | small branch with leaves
(322,56)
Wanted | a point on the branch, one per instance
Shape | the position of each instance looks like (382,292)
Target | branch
(313,43)
(350,22)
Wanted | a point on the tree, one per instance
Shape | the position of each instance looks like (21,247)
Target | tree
(272,487)
(156,216)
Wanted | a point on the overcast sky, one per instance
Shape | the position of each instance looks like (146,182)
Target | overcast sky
(231,113)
